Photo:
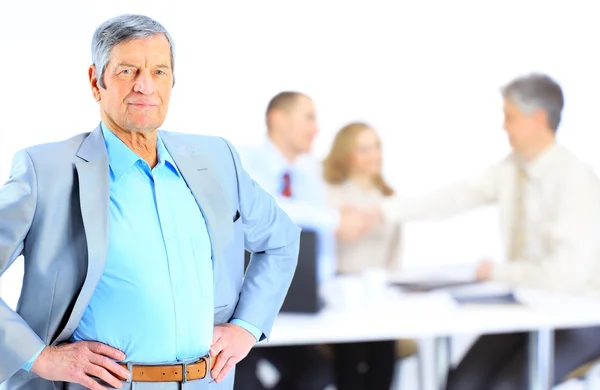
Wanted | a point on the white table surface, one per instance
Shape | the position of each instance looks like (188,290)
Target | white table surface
(396,315)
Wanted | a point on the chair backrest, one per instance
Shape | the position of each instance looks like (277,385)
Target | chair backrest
(303,294)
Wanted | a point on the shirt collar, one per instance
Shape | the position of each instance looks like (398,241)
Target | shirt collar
(164,157)
(121,158)
(278,164)
(543,162)
(275,164)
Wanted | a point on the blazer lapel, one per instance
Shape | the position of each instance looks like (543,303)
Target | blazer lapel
(212,200)
(94,195)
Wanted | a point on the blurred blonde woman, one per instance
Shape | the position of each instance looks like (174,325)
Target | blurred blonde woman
(352,171)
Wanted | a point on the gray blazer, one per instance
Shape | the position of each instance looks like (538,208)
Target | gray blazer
(54,211)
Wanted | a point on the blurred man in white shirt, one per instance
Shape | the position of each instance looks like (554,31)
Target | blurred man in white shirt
(549,207)
(283,166)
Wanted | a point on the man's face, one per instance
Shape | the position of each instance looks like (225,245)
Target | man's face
(301,125)
(522,128)
(138,80)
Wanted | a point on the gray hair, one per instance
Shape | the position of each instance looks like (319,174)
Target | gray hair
(536,91)
(121,29)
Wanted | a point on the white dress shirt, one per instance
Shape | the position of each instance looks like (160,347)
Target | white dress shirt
(307,206)
(561,226)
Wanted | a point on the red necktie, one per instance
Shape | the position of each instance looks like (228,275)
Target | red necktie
(286,192)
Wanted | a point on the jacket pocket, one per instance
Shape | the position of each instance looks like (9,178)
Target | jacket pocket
(221,314)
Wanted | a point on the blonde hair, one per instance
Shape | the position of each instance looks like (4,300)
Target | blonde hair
(336,166)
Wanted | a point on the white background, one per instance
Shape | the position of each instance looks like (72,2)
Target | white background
(425,73)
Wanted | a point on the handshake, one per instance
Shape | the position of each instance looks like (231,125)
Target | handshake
(355,222)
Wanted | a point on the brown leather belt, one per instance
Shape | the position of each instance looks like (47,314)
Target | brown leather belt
(171,373)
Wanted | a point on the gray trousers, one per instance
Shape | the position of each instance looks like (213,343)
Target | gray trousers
(201,384)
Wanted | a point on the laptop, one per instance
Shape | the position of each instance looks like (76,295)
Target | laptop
(462,291)
(303,294)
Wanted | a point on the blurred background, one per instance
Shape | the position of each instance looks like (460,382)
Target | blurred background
(425,74)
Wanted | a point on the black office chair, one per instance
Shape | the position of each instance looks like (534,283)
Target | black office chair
(303,294)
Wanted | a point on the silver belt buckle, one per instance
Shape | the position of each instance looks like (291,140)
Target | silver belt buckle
(184,373)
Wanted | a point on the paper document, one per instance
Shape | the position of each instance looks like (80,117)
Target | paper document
(424,279)
(456,273)
(485,292)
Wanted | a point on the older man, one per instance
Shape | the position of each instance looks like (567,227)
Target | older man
(549,208)
(133,240)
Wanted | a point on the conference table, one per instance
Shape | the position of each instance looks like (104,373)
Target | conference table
(392,314)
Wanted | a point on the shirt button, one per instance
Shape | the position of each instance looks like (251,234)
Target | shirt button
(181,332)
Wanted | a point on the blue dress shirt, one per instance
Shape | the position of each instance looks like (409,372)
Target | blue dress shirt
(155,299)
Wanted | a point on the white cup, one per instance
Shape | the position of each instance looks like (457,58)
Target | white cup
(345,292)
(375,284)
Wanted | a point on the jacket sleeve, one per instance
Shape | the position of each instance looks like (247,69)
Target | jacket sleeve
(18,342)
(274,241)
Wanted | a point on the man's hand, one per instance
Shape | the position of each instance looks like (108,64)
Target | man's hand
(231,343)
(79,362)
(354,223)
(484,270)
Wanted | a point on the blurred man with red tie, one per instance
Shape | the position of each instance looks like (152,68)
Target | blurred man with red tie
(283,167)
